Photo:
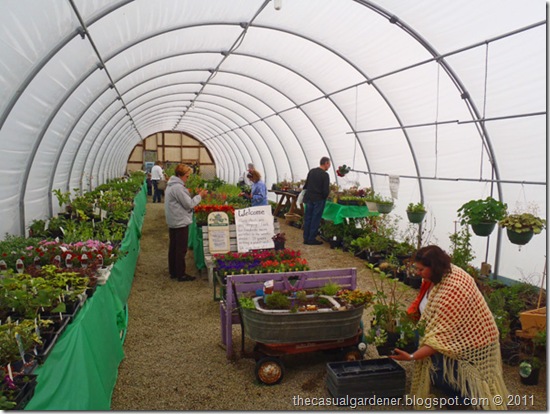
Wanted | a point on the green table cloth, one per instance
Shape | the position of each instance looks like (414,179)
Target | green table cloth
(81,371)
(195,243)
(337,212)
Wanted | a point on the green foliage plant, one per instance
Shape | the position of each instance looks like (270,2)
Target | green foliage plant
(277,300)
(497,304)
(26,329)
(388,311)
(488,210)
(416,208)
(330,289)
(523,223)
(62,197)
(462,253)
(247,303)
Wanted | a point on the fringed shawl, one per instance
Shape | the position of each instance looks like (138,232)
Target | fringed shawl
(460,326)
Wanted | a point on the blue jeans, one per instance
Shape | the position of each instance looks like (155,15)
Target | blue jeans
(312,219)
(157,194)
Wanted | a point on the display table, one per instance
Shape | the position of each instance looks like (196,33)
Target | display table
(337,212)
(287,200)
(81,371)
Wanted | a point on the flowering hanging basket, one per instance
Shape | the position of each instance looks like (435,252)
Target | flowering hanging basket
(343,170)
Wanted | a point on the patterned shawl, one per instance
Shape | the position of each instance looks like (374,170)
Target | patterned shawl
(460,326)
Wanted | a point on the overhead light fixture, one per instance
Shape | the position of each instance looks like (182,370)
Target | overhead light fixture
(277,4)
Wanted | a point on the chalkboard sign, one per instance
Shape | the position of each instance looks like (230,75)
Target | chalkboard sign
(218,232)
(254,227)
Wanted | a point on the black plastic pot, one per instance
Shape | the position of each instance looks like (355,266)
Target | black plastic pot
(532,378)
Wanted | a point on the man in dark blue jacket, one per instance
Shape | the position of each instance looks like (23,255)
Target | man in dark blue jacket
(317,188)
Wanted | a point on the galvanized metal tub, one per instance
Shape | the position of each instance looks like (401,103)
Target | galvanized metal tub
(285,327)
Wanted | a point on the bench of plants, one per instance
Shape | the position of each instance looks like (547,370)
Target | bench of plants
(208,257)
(241,284)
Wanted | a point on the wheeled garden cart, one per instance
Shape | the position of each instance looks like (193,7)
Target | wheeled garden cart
(278,333)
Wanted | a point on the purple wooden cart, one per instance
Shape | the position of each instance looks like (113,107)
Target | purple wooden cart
(268,362)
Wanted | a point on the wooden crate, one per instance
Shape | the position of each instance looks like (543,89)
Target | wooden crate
(532,321)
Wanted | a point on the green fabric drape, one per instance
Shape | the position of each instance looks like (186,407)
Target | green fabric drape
(337,212)
(81,371)
(195,244)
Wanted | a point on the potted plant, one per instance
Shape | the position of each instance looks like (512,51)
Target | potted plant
(279,241)
(529,370)
(384,205)
(520,228)
(390,327)
(482,215)
(296,315)
(370,201)
(343,170)
(416,212)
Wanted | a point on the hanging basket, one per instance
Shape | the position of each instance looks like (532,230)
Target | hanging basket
(519,238)
(416,217)
(483,229)
(371,205)
(384,208)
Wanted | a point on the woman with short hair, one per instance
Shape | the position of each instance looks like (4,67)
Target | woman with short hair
(178,208)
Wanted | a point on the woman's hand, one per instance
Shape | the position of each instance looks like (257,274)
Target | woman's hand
(400,355)
(203,193)
(423,352)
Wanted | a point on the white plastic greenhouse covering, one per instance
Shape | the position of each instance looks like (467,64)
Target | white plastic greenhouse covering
(449,96)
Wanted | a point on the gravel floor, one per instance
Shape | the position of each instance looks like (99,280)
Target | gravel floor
(175,360)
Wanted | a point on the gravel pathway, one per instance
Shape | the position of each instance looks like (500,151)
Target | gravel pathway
(174,358)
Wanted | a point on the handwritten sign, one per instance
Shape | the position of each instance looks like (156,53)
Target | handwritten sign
(218,232)
(254,228)
(394,185)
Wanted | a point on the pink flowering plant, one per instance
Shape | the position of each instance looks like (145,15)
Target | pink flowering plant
(34,253)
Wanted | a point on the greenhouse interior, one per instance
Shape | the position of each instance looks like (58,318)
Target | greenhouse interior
(430,107)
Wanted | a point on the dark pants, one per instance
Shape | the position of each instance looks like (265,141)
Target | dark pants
(149,187)
(157,194)
(177,251)
(312,219)
(439,382)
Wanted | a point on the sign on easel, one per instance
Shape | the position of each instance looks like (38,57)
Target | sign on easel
(254,228)
(218,232)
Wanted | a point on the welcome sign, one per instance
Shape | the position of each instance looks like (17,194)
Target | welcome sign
(254,227)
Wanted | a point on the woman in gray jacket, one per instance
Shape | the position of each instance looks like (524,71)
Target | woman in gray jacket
(178,207)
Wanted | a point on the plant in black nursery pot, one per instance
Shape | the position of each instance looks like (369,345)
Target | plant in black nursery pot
(279,240)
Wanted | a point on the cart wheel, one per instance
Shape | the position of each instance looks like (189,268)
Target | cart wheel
(269,370)
(351,354)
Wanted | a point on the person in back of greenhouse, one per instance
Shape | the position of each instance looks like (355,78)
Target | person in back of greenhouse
(317,188)
(258,194)
(178,208)
(157,174)
(459,350)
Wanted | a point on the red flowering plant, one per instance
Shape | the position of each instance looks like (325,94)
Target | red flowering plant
(261,261)
(202,212)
